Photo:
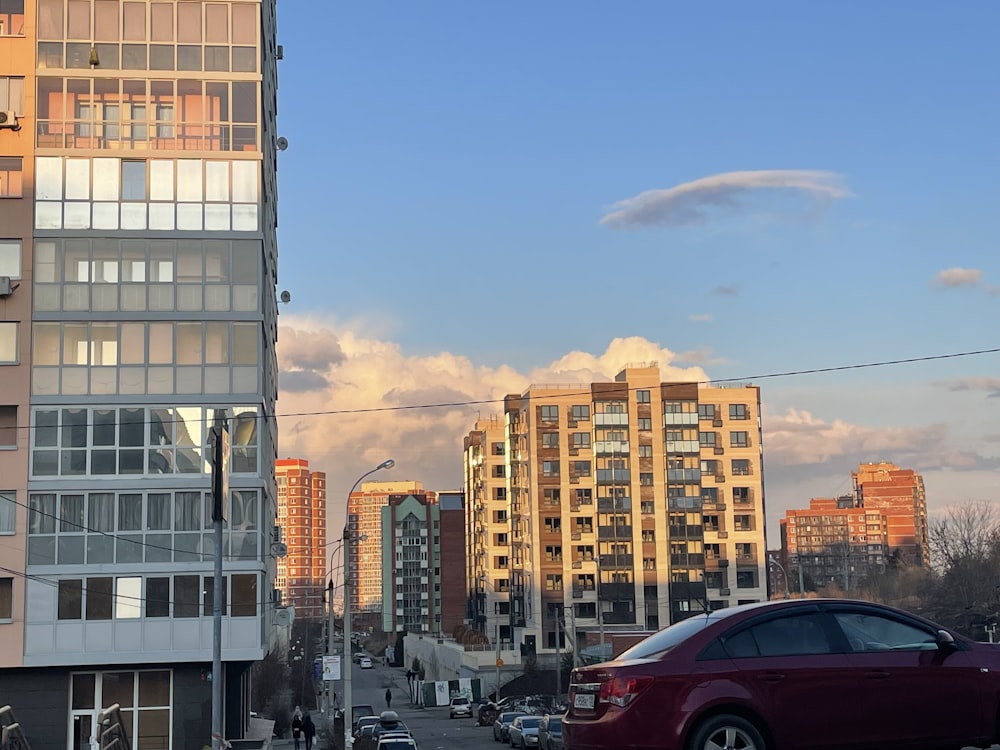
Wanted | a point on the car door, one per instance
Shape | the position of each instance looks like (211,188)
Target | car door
(911,691)
(797,676)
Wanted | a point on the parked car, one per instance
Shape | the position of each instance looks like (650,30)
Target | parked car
(550,732)
(523,732)
(394,741)
(459,706)
(359,711)
(501,727)
(791,673)
(366,662)
(388,721)
(360,722)
(358,656)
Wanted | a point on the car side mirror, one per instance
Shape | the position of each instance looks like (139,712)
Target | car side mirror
(945,640)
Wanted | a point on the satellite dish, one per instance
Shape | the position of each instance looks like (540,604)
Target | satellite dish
(279,549)
(285,297)
(282,143)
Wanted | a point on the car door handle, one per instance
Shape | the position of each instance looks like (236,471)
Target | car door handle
(877,674)
(771,677)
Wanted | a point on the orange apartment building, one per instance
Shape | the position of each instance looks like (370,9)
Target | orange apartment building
(899,494)
(302,573)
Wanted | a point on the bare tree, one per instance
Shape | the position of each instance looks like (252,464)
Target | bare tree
(967,533)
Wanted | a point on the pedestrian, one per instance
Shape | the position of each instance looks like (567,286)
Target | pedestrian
(309,731)
(388,697)
(297,726)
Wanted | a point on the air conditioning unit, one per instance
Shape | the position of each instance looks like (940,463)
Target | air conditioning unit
(6,289)
(8,120)
(280,52)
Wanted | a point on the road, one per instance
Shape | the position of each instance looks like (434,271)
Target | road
(430,727)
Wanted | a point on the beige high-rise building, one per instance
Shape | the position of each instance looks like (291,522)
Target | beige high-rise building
(138,254)
(624,505)
(364,512)
(303,571)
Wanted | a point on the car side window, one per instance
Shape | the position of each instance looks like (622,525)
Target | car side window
(793,635)
(872,632)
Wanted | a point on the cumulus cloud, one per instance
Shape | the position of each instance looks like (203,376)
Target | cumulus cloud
(701,318)
(991,386)
(950,278)
(696,202)
(726,290)
(363,399)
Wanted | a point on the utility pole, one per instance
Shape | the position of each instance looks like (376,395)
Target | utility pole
(558,653)
(220,498)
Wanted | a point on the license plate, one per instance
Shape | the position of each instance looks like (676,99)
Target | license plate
(584,700)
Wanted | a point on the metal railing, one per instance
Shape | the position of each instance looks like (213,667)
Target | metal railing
(11,735)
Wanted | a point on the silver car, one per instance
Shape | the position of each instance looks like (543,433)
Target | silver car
(524,731)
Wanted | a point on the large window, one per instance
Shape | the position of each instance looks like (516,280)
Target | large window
(10,258)
(11,93)
(6,599)
(739,439)
(8,343)
(143,697)
(12,18)
(156,194)
(8,511)
(103,528)
(145,358)
(11,183)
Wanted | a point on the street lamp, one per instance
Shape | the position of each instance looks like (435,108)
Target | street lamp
(346,540)
(773,561)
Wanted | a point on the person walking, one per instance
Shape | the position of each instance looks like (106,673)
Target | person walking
(308,731)
(388,697)
(297,726)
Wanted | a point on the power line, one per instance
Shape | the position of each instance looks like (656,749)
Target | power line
(488,401)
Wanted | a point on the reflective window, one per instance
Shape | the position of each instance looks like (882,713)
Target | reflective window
(10,258)
(8,350)
(11,184)
(12,94)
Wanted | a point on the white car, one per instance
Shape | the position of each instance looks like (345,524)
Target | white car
(366,662)
(460,707)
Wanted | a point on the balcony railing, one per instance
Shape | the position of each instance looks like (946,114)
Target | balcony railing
(614,532)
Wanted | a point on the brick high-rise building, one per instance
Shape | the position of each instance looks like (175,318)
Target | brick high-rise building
(899,494)
(303,571)
(628,504)
(137,262)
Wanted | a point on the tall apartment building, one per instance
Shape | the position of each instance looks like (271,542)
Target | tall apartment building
(364,513)
(629,504)
(137,268)
(833,541)
(423,567)
(302,572)
(899,494)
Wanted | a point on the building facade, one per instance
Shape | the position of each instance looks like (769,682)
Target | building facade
(630,504)
(302,572)
(834,541)
(423,567)
(137,232)
(899,494)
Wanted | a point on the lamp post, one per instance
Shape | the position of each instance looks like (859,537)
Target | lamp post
(773,561)
(346,540)
(329,636)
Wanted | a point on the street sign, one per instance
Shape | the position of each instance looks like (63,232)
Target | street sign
(331,668)
(499,662)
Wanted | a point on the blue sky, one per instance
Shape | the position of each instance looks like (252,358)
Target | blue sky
(450,164)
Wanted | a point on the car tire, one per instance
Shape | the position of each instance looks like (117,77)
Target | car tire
(726,730)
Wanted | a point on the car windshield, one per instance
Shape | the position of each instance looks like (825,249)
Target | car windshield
(530,722)
(660,643)
(507,718)
(459,701)
(555,722)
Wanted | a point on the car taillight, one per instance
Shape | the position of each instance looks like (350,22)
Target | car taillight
(620,691)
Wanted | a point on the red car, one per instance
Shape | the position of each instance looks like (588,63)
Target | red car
(798,674)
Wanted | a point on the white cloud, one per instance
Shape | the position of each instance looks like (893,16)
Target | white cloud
(693,202)
(949,278)
(701,318)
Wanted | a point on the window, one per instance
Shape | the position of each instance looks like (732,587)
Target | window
(553,582)
(706,439)
(581,439)
(553,525)
(8,346)
(648,535)
(710,494)
(742,495)
(741,467)
(782,636)
(646,479)
(713,579)
(743,522)
(647,507)
(70,599)
(644,424)
(645,451)
(746,579)
(706,411)
(8,511)
(738,411)
(12,18)
(8,426)
(581,468)
(99,598)
(580,413)
(550,468)
(157,597)
(499,471)
(550,439)
(6,598)
(642,396)
(499,493)
(871,632)
(244,595)
(710,467)
(133,180)
(649,563)
(10,258)
(10,177)
(11,93)
(553,553)
(549,413)
(498,449)
(740,439)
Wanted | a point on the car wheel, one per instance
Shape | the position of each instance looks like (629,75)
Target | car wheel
(726,731)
